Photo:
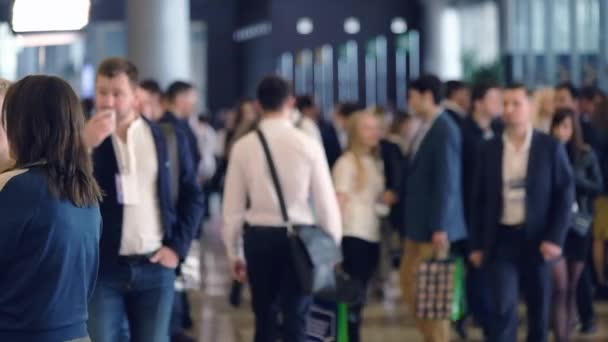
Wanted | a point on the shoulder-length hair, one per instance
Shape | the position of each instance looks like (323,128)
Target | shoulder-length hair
(576,146)
(44,124)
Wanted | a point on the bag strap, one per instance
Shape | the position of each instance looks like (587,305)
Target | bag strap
(275,180)
(170,134)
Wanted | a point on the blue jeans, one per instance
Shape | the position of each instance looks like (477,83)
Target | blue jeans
(141,293)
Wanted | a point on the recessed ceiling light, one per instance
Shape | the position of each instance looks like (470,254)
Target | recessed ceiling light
(352,25)
(399,26)
(305,26)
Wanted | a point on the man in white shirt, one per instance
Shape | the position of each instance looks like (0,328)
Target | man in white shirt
(523,198)
(145,234)
(304,176)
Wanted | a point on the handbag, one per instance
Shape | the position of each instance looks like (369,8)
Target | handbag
(314,253)
(435,289)
(581,223)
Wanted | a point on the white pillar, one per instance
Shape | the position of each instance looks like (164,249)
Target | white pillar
(442,47)
(159,38)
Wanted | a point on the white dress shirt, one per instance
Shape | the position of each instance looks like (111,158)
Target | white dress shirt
(206,139)
(303,174)
(514,174)
(142,231)
(359,211)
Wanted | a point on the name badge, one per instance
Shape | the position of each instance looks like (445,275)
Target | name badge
(516,190)
(127,190)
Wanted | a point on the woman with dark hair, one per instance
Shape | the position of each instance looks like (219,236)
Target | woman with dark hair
(567,271)
(50,223)
(245,120)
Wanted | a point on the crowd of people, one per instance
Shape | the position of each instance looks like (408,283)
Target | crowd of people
(100,205)
(508,179)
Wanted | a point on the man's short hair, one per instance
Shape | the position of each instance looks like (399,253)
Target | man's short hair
(272,92)
(151,86)
(115,66)
(428,83)
(451,87)
(177,88)
(481,90)
(346,109)
(304,101)
(569,86)
(589,93)
(519,86)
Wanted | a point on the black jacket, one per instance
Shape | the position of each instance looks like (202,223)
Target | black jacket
(588,178)
(550,193)
(394,173)
(180,222)
(472,139)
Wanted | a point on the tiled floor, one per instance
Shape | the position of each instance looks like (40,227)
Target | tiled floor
(230,325)
(217,322)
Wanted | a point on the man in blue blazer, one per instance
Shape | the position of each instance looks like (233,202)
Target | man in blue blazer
(433,200)
(145,234)
(523,198)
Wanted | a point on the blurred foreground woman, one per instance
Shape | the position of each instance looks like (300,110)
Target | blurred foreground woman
(50,224)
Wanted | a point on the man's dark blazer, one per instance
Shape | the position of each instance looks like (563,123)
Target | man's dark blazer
(433,200)
(549,193)
(472,139)
(179,222)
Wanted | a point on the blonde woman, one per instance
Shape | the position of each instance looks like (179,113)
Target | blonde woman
(359,182)
(544,108)
(5,161)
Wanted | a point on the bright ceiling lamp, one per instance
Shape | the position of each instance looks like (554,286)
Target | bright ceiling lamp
(49,15)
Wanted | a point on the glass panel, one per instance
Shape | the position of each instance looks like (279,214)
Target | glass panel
(324,77)
(304,73)
(414,44)
(381,71)
(348,72)
(538,26)
(401,52)
(371,76)
(561,26)
(521,26)
(595,29)
(285,68)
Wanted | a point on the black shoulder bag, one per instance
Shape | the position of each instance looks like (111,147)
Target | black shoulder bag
(314,253)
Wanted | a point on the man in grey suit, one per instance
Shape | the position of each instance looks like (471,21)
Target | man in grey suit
(433,201)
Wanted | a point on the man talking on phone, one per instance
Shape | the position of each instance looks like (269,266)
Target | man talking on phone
(145,235)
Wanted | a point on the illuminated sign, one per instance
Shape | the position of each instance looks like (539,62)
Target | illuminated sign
(49,15)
